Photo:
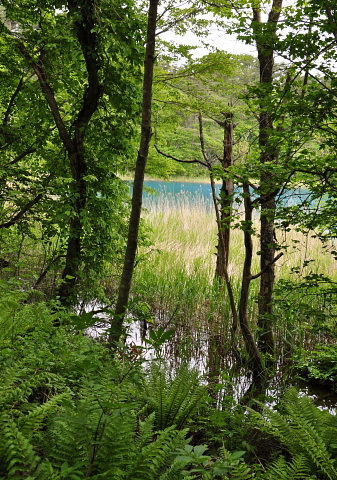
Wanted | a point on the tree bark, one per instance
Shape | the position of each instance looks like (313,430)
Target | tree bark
(226,198)
(255,358)
(86,36)
(264,38)
(116,329)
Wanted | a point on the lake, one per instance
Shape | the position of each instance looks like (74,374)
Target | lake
(195,193)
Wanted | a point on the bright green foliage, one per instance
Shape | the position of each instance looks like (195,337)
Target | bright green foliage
(111,440)
(38,191)
(158,338)
(174,400)
(69,411)
(210,84)
(229,465)
(294,470)
(319,364)
(308,433)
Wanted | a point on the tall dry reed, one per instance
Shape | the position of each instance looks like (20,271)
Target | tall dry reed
(175,275)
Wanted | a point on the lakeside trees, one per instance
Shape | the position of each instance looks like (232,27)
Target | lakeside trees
(71,108)
(70,111)
(282,147)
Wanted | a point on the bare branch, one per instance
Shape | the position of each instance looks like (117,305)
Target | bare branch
(179,159)
(21,213)
(253,277)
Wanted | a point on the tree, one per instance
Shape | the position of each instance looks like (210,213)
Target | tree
(177,18)
(222,166)
(79,60)
(146,134)
(264,35)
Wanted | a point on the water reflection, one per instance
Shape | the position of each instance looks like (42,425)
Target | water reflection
(234,384)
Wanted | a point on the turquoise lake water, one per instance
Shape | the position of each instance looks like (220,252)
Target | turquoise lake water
(197,193)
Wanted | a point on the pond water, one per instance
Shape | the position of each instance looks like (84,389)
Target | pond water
(232,386)
(199,193)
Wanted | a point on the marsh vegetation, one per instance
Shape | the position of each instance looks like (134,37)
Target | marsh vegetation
(233,300)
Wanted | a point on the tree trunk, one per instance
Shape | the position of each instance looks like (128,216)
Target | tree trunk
(226,199)
(85,32)
(71,270)
(84,12)
(266,293)
(146,133)
(264,39)
(251,346)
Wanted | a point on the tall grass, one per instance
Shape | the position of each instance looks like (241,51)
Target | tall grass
(176,277)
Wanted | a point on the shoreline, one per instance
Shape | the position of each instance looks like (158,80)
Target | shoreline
(178,179)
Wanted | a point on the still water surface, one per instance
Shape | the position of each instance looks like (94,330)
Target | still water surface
(196,193)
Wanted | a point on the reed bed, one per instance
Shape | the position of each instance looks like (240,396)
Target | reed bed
(176,277)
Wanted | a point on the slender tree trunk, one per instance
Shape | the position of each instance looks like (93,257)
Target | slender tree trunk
(226,199)
(267,281)
(240,314)
(146,133)
(264,41)
(224,217)
(253,351)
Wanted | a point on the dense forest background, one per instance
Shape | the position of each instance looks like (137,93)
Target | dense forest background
(173,341)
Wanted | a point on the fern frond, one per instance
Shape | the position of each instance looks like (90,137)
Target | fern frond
(176,471)
(34,420)
(281,469)
(114,473)
(301,427)
(22,385)
(174,400)
(145,434)
(155,458)
(18,452)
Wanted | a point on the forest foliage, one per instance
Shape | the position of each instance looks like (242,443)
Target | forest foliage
(91,93)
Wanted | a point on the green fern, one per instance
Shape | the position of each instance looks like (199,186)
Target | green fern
(174,400)
(22,383)
(157,456)
(281,469)
(16,450)
(118,447)
(21,436)
(305,430)
(175,472)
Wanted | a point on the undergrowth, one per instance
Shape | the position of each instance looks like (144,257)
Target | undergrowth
(71,410)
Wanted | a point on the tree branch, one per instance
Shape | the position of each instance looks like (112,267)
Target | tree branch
(11,102)
(46,270)
(87,37)
(180,160)
(49,93)
(21,213)
(202,142)
(253,277)
(22,155)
